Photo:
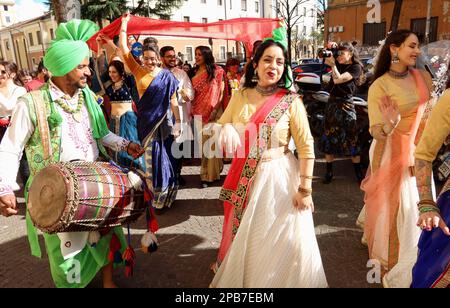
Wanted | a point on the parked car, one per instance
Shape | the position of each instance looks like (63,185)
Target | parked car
(309,76)
(308,61)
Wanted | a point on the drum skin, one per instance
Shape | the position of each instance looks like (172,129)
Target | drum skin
(82,196)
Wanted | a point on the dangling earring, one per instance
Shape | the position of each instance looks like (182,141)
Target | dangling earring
(255,77)
(395,58)
(281,83)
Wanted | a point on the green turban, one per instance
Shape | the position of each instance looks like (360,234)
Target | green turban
(69,48)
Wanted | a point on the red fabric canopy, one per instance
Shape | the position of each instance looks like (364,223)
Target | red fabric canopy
(246,30)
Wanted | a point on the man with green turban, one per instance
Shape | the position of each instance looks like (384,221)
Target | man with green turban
(63,122)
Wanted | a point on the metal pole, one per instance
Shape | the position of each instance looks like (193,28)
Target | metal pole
(42,38)
(427,27)
(225,9)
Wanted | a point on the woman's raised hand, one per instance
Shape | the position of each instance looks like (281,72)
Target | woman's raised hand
(126,17)
(389,111)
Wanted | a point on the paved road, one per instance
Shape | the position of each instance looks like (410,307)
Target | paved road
(190,234)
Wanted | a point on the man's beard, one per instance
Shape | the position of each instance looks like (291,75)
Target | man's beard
(170,65)
(81,84)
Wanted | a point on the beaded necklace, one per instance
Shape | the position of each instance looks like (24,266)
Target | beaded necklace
(266,91)
(397,75)
(75,112)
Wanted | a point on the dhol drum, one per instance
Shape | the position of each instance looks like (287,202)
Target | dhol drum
(83,196)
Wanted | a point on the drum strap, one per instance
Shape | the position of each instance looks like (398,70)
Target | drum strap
(42,123)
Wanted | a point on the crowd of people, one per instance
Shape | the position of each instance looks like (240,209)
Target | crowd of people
(150,110)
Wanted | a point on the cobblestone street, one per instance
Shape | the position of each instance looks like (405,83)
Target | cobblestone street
(190,234)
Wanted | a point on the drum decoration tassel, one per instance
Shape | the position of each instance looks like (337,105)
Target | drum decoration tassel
(94,238)
(129,256)
(114,250)
(152,223)
(149,242)
(135,180)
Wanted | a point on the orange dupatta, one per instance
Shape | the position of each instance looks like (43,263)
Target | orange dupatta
(383,183)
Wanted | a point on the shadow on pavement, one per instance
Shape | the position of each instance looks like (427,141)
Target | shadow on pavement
(177,263)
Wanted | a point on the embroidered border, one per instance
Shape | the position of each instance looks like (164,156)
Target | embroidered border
(444,280)
(5,189)
(41,116)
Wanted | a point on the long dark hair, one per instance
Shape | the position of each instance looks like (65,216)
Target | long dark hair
(250,70)
(355,55)
(448,75)
(209,61)
(396,38)
(11,68)
(118,65)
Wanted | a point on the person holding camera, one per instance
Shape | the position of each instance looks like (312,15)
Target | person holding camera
(340,129)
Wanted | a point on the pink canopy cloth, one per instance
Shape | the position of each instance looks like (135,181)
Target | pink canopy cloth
(246,30)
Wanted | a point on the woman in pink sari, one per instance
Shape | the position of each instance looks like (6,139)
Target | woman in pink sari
(268,233)
(208,83)
(396,101)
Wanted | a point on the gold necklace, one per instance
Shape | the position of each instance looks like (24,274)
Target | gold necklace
(75,112)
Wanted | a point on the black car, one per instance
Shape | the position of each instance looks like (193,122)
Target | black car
(316,68)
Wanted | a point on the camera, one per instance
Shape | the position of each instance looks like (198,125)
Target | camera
(328,53)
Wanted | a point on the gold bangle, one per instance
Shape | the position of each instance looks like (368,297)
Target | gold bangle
(305,191)
(309,177)
(426,202)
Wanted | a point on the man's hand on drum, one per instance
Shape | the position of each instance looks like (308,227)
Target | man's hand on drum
(135,150)
(8,205)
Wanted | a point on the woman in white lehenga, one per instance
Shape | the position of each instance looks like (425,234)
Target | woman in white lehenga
(396,101)
(268,233)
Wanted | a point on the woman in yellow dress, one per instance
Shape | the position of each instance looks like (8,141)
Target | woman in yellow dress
(396,101)
(268,234)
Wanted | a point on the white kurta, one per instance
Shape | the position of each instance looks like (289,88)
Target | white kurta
(7,103)
(184,105)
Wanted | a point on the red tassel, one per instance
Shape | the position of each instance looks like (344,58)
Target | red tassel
(153,223)
(128,256)
(114,246)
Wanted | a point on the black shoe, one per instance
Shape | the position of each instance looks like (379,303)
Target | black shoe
(358,172)
(181,181)
(328,178)
(329,174)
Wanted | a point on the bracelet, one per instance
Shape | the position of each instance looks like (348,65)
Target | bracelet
(128,146)
(309,177)
(305,191)
(426,202)
(427,209)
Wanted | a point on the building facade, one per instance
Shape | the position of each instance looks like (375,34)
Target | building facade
(8,14)
(353,20)
(25,42)
(216,10)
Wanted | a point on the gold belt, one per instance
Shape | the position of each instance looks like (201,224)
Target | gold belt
(274,153)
